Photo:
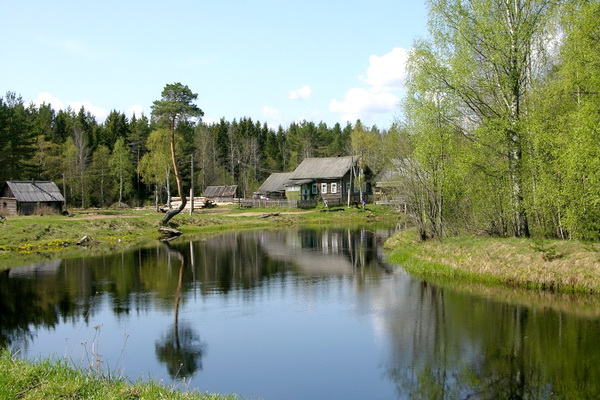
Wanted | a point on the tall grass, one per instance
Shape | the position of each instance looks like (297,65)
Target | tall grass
(556,266)
(56,379)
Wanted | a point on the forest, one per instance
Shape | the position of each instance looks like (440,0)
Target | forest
(125,159)
(499,131)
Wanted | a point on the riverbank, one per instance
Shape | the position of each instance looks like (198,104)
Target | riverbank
(47,379)
(547,265)
(29,239)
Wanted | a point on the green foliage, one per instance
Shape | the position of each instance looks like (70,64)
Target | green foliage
(502,122)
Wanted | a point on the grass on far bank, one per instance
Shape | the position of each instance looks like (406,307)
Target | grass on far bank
(556,266)
(25,239)
(47,379)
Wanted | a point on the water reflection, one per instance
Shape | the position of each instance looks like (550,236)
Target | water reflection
(180,347)
(274,306)
(447,346)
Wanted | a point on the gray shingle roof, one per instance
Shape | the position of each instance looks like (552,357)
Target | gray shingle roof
(324,168)
(35,191)
(220,191)
(275,182)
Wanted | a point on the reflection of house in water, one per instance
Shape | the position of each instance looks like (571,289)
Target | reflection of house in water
(326,252)
(43,268)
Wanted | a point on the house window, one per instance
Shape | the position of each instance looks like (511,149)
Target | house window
(334,188)
(323,188)
(315,189)
(347,187)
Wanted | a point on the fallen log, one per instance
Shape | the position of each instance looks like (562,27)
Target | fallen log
(269,215)
(83,240)
(169,231)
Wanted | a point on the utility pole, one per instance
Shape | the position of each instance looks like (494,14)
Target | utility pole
(192,187)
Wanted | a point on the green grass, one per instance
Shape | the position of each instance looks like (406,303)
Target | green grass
(48,379)
(555,266)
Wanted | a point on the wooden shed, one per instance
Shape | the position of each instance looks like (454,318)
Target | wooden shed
(26,197)
(274,187)
(222,194)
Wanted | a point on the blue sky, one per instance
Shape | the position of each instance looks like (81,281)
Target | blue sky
(273,61)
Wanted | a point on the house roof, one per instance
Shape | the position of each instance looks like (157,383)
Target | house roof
(220,191)
(35,191)
(324,167)
(275,182)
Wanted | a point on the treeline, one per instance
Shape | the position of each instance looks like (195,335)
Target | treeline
(128,159)
(501,130)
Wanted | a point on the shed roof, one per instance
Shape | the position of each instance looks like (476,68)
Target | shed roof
(220,191)
(324,167)
(35,191)
(275,182)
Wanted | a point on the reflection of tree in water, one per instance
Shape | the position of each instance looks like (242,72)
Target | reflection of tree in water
(180,347)
(452,346)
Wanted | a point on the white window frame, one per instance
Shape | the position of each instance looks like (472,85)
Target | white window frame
(315,189)
(323,188)
(333,187)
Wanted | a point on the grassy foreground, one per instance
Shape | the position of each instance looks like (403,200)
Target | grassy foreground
(25,239)
(556,266)
(46,379)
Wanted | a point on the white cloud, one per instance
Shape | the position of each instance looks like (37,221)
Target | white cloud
(137,109)
(304,93)
(384,79)
(387,72)
(271,113)
(47,98)
(57,104)
(363,104)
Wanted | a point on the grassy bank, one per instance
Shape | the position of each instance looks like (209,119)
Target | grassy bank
(46,379)
(557,266)
(26,239)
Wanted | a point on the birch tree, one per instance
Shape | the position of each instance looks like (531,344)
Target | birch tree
(489,54)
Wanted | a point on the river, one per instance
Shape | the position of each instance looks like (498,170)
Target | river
(299,314)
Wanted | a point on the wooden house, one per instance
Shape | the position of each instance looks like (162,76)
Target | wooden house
(335,180)
(25,197)
(222,194)
(274,187)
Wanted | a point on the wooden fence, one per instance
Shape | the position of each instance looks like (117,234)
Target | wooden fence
(258,203)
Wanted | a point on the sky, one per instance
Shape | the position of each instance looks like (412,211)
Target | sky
(272,61)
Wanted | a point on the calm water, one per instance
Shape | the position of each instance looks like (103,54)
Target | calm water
(299,314)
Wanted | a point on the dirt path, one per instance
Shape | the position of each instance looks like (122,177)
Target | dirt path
(256,214)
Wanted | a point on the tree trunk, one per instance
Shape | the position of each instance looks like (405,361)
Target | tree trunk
(171,213)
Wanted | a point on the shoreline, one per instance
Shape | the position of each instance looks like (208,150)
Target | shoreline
(30,239)
(554,266)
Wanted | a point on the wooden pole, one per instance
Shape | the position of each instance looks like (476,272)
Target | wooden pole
(192,187)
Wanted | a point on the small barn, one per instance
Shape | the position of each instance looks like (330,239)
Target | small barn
(274,186)
(222,194)
(27,197)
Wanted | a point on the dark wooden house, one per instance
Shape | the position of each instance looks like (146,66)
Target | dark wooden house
(335,180)
(25,197)
(222,194)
